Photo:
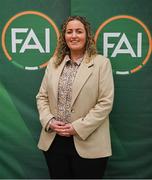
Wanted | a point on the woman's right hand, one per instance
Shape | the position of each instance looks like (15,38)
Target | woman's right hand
(58,127)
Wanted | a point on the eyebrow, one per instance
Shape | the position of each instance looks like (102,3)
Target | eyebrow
(76,29)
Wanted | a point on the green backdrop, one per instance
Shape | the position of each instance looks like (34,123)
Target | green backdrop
(131,118)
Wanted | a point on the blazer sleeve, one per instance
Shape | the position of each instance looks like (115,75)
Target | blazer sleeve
(100,112)
(43,100)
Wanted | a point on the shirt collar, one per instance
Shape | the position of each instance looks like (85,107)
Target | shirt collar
(77,62)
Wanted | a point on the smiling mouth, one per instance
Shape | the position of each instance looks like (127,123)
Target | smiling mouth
(74,42)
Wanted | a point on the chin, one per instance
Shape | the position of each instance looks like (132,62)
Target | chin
(75,48)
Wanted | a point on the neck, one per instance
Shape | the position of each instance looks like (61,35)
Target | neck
(75,56)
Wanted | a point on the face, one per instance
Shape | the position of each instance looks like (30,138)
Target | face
(75,36)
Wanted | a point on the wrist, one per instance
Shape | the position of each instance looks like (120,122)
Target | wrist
(48,125)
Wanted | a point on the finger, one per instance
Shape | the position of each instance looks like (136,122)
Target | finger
(58,130)
(59,123)
(67,126)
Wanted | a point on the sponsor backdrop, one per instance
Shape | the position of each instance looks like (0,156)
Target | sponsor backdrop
(29,31)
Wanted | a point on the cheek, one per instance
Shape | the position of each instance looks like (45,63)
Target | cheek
(67,38)
(84,40)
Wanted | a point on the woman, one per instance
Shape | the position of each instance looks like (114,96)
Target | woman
(74,102)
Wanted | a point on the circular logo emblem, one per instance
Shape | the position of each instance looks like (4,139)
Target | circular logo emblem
(29,39)
(126,41)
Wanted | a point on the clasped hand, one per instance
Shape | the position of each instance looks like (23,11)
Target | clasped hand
(62,129)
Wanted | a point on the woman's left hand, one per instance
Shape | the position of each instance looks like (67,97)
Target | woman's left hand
(69,129)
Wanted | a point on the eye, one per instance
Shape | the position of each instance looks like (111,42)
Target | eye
(68,32)
(79,32)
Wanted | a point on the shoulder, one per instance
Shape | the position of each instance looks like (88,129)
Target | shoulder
(100,60)
(51,63)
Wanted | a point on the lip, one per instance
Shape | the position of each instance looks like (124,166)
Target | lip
(74,42)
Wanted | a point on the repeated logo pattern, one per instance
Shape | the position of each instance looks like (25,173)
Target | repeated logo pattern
(30,38)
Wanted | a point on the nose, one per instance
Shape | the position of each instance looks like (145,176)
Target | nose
(74,34)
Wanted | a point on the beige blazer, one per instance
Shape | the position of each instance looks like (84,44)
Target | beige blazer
(92,99)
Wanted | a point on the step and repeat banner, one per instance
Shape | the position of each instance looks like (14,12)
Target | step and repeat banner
(29,31)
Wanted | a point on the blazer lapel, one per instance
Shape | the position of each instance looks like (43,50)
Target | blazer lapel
(56,75)
(84,72)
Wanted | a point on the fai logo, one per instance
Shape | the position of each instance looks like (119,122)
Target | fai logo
(126,41)
(29,39)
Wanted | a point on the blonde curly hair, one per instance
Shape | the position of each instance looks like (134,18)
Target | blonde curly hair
(62,48)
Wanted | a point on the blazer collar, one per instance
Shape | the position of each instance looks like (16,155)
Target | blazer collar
(78,62)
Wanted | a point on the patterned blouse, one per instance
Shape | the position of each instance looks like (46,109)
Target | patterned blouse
(65,89)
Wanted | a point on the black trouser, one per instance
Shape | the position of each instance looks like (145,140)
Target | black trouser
(65,163)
